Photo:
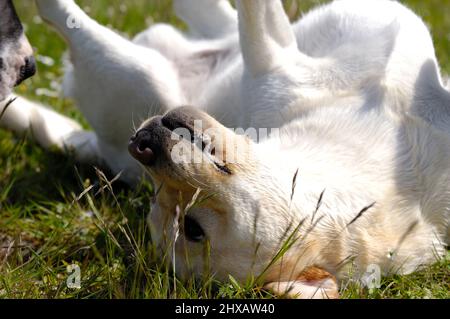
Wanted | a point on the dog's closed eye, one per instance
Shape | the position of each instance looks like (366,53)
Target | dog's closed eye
(192,230)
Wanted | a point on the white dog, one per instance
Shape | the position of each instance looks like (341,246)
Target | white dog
(358,175)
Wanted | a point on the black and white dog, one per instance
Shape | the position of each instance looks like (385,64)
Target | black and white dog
(16,55)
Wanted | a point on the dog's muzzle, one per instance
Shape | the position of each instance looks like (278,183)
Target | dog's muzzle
(140,147)
(27,70)
(154,141)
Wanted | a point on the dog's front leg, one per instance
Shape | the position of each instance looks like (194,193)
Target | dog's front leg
(49,129)
(114,82)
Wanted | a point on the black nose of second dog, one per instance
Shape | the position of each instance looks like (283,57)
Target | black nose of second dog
(141,149)
(27,70)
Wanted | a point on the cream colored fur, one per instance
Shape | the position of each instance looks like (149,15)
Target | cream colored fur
(354,87)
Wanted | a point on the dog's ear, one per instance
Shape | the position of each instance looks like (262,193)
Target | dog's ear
(312,283)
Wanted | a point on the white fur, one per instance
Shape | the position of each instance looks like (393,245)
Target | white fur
(207,19)
(355,88)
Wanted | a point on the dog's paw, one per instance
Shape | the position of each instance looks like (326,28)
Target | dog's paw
(446,81)
(313,283)
(52,10)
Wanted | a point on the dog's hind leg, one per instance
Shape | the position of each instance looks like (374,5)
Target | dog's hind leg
(267,38)
(50,129)
(275,71)
(207,19)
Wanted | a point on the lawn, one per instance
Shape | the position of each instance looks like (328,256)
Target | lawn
(45,225)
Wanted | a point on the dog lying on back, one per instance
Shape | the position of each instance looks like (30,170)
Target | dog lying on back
(16,55)
(356,176)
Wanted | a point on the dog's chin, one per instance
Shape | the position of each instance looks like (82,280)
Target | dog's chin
(5,92)
(7,84)
(8,81)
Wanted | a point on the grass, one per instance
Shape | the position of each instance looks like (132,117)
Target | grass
(45,226)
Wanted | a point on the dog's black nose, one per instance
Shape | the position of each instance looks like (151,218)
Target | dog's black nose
(27,70)
(140,147)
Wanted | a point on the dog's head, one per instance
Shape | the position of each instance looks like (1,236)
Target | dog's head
(223,199)
(16,55)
